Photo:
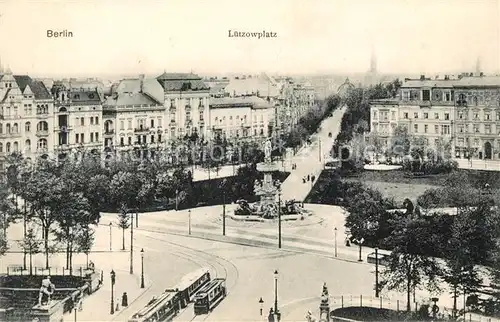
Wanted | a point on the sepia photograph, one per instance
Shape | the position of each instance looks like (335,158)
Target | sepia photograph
(249,160)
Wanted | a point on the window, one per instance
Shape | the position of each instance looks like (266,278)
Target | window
(97,120)
(426,95)
(405,115)
(129,140)
(122,141)
(15,128)
(446,116)
(426,128)
(152,123)
(122,125)
(129,124)
(77,138)
(461,128)
(91,137)
(426,115)
(476,128)
(406,95)
(445,129)
(447,96)
(476,142)
(201,116)
(42,143)
(172,103)
(27,145)
(487,129)
(436,142)
(82,121)
(415,115)
(97,136)
(436,116)
(83,137)
(487,116)
(415,127)
(91,120)
(393,115)
(374,115)
(460,115)
(159,138)
(461,142)
(436,128)
(152,139)
(27,127)
(475,100)
(7,147)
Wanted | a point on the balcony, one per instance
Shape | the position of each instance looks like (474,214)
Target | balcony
(63,128)
(141,130)
(42,133)
(109,133)
(42,115)
(12,135)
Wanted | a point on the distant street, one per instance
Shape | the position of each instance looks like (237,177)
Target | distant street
(310,160)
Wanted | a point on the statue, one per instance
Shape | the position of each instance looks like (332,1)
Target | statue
(257,184)
(46,290)
(267,151)
(324,295)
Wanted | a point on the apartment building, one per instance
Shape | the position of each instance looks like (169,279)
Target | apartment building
(77,120)
(186,101)
(26,117)
(248,117)
(462,111)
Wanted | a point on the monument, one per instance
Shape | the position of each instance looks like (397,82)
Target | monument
(267,190)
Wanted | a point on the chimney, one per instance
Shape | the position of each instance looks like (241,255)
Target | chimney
(422,77)
(471,74)
(446,77)
(141,78)
(481,74)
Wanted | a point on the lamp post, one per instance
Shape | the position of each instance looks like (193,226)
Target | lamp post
(176,199)
(278,186)
(261,302)
(335,232)
(376,272)
(131,243)
(110,239)
(224,207)
(360,243)
(113,275)
(276,294)
(189,221)
(142,268)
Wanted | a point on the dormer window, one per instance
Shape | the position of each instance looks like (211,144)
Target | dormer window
(91,95)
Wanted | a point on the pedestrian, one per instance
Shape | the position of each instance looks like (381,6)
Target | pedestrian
(304,180)
(308,177)
(313,177)
(117,305)
(270,318)
(124,299)
(80,301)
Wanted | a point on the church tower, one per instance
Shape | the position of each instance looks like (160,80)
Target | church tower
(373,63)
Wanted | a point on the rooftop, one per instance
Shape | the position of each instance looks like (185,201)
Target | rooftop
(243,101)
(261,86)
(37,87)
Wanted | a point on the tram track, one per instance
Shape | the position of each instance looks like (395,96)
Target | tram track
(222,267)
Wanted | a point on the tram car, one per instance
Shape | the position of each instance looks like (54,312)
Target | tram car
(165,308)
(210,296)
(190,284)
(170,302)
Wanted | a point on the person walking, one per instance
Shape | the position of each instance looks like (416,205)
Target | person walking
(308,177)
(313,178)
(124,299)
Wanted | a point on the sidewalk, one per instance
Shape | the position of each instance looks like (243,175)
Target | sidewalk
(490,165)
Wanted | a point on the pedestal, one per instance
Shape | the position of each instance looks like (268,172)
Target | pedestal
(52,312)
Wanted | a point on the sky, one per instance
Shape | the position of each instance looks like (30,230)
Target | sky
(313,36)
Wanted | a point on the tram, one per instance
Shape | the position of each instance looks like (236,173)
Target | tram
(190,284)
(171,301)
(210,296)
(165,308)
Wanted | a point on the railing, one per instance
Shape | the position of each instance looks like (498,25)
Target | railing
(145,129)
(80,271)
(109,132)
(42,132)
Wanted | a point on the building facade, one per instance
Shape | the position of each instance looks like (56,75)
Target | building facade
(463,112)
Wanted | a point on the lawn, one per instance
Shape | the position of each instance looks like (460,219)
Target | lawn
(398,190)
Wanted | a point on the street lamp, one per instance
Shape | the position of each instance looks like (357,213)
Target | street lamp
(376,272)
(176,199)
(224,207)
(261,302)
(142,268)
(110,239)
(189,221)
(113,275)
(335,232)
(360,243)
(131,243)
(276,294)
(277,184)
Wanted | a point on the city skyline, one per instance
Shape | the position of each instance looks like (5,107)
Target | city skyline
(321,37)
